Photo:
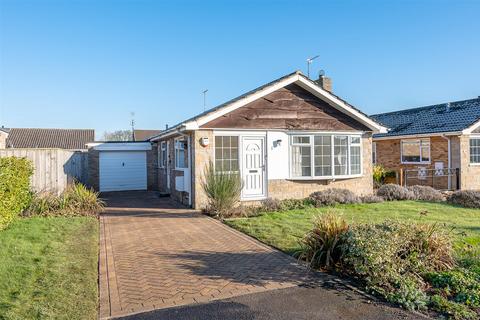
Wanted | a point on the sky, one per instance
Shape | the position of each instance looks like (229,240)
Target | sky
(90,64)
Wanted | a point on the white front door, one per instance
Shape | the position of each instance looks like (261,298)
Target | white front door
(253,167)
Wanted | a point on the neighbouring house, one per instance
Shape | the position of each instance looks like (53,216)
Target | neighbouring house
(68,139)
(144,135)
(436,145)
(286,139)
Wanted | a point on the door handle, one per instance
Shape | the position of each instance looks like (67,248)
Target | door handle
(253,171)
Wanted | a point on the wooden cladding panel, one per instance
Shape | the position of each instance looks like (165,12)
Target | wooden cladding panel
(291,107)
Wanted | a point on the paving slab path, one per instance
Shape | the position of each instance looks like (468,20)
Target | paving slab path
(154,254)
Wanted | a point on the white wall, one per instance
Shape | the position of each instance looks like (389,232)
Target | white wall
(277,155)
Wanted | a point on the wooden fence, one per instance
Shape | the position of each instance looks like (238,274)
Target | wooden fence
(54,169)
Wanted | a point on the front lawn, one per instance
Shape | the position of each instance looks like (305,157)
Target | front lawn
(48,268)
(283,229)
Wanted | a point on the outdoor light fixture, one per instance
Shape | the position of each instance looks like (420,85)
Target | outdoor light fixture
(277,143)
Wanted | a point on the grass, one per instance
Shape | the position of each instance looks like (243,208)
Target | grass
(48,268)
(283,229)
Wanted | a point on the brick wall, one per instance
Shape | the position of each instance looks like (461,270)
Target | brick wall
(470,174)
(3,140)
(152,168)
(93,169)
(202,155)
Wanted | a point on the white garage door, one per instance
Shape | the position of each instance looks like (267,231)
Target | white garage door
(123,170)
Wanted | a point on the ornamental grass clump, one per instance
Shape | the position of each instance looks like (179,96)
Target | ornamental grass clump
(223,190)
(322,246)
(333,196)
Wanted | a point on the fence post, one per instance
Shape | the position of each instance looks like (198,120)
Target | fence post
(401,177)
(457,173)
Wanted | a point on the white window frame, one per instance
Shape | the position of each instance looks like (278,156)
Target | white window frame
(185,150)
(238,152)
(161,157)
(332,162)
(419,140)
(473,137)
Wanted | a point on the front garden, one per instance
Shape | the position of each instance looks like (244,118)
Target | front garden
(48,248)
(415,247)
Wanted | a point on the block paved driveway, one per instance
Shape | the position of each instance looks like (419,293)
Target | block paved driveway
(155,255)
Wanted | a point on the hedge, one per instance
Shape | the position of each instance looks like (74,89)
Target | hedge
(14,188)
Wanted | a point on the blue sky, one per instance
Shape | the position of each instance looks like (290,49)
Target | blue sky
(88,64)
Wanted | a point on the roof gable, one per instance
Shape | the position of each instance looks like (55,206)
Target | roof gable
(297,78)
(292,108)
(456,116)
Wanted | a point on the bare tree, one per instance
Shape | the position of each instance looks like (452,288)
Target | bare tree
(118,135)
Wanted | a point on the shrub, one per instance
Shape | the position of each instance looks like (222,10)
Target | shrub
(465,198)
(321,247)
(333,196)
(391,192)
(14,188)
(390,257)
(76,200)
(371,199)
(270,205)
(223,191)
(378,174)
(293,204)
(452,309)
(426,193)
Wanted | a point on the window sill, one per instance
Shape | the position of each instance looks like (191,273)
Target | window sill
(474,164)
(181,169)
(416,162)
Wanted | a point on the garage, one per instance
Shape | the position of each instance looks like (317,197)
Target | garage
(122,166)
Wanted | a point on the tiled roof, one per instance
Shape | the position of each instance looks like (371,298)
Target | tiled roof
(144,135)
(73,139)
(445,117)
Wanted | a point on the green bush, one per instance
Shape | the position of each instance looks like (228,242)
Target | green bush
(15,176)
(451,309)
(459,285)
(272,204)
(333,196)
(371,199)
(223,191)
(76,200)
(390,257)
(322,246)
(379,173)
(465,198)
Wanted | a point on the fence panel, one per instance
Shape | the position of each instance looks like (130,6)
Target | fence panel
(54,169)
(441,179)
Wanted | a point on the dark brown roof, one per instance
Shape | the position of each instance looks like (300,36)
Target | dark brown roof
(144,135)
(74,139)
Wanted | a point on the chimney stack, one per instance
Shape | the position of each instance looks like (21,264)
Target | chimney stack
(324,82)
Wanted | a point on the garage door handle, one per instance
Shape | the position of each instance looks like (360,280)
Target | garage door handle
(123,164)
(253,171)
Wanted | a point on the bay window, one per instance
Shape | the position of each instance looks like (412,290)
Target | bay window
(325,156)
(475,150)
(415,150)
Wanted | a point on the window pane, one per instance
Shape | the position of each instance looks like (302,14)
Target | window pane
(475,150)
(226,153)
(340,145)
(355,140)
(411,151)
(300,140)
(301,161)
(323,155)
(355,160)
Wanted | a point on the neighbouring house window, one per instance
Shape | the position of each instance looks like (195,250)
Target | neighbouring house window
(226,153)
(475,150)
(328,155)
(181,154)
(162,154)
(374,152)
(415,150)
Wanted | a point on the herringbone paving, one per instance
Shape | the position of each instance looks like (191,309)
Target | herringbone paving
(154,254)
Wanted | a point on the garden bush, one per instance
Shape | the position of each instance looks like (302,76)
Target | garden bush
(76,200)
(223,191)
(333,196)
(371,199)
(391,192)
(465,198)
(321,247)
(270,205)
(15,176)
(426,193)
(390,258)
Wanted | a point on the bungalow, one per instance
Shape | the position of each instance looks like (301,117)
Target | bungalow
(436,145)
(286,139)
